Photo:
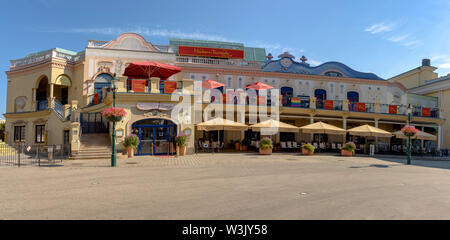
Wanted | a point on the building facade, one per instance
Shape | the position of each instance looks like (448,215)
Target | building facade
(56,96)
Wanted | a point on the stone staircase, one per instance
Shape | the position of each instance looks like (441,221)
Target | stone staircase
(6,150)
(93,146)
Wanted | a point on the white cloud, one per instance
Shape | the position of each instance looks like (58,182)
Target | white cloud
(314,62)
(444,65)
(398,38)
(413,43)
(380,27)
(438,57)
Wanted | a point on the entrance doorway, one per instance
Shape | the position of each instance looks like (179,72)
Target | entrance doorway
(156,136)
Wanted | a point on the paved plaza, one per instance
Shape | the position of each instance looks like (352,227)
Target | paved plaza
(229,186)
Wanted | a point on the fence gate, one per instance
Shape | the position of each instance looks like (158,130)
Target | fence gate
(32,155)
(93,123)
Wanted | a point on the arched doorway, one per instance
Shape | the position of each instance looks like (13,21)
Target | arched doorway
(42,92)
(287,93)
(320,95)
(353,97)
(156,136)
(61,89)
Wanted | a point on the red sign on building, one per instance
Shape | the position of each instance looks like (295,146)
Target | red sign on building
(138,85)
(210,52)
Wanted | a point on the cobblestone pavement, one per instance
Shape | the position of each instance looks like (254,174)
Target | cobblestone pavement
(229,186)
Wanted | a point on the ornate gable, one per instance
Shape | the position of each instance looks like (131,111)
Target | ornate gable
(131,41)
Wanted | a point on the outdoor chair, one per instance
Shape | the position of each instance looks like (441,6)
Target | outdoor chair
(283,145)
(295,146)
(220,147)
(289,146)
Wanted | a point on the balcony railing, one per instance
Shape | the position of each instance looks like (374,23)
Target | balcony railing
(212,61)
(361,107)
(329,104)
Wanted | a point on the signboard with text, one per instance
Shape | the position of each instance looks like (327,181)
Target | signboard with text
(210,52)
(170,87)
(138,85)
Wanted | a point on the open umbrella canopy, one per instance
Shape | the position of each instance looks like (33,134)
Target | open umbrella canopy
(221,124)
(369,131)
(271,123)
(148,69)
(419,135)
(259,86)
(212,84)
(322,128)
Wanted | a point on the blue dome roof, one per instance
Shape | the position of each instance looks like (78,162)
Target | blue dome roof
(304,68)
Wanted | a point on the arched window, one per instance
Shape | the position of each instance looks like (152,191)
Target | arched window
(353,97)
(333,74)
(320,94)
(101,81)
(286,93)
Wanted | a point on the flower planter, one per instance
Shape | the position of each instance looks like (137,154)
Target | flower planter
(265,151)
(307,152)
(114,119)
(130,152)
(237,146)
(346,153)
(181,150)
(243,148)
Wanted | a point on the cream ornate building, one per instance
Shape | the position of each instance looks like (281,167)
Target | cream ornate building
(56,96)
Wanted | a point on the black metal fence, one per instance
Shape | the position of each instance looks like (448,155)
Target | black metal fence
(33,155)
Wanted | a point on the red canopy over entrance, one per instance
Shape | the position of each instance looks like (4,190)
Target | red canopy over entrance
(259,86)
(212,84)
(148,69)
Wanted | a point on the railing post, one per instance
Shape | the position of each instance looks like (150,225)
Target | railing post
(345,103)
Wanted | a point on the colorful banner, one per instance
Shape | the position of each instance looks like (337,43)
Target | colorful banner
(328,104)
(295,102)
(393,109)
(210,52)
(426,112)
(138,85)
(170,87)
(360,107)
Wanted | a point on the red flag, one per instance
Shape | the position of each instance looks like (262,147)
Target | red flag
(328,104)
(426,112)
(393,109)
(361,107)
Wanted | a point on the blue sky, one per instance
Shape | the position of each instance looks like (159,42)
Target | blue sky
(383,37)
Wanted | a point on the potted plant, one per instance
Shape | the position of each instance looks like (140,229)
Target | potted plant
(131,143)
(114,114)
(409,131)
(348,149)
(265,146)
(181,141)
(237,145)
(244,145)
(308,149)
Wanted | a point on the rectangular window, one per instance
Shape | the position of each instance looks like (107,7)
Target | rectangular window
(39,133)
(19,133)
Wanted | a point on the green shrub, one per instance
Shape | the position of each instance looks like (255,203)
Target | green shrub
(181,141)
(349,147)
(308,147)
(265,143)
(131,141)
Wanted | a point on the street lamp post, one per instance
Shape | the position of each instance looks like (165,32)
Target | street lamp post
(409,110)
(113,153)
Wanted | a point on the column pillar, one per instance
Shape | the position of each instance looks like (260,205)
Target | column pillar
(439,145)
(33,101)
(50,97)
(154,85)
(421,140)
(376,138)
(312,121)
(344,126)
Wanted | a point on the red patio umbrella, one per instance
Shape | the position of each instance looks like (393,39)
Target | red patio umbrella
(259,86)
(212,84)
(148,69)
